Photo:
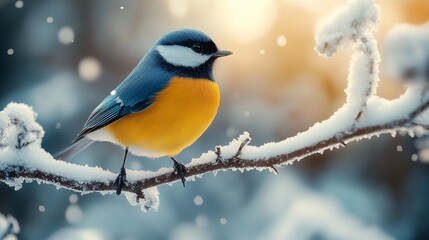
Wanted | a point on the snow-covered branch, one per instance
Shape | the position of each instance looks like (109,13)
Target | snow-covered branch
(363,116)
(9,226)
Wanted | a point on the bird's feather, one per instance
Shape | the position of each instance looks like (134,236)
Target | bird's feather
(73,149)
(134,94)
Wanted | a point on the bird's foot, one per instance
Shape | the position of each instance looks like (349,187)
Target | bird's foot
(180,169)
(121,181)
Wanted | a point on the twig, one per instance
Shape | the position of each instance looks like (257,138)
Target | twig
(235,162)
(218,154)
(240,149)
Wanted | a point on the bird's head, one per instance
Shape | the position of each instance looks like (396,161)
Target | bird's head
(188,52)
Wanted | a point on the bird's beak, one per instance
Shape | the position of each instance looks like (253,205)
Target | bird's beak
(222,53)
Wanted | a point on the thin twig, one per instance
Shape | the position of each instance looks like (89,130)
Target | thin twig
(218,155)
(234,162)
(240,149)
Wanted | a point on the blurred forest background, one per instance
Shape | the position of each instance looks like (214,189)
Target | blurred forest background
(63,57)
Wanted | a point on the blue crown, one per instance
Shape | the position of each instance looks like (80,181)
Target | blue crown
(183,36)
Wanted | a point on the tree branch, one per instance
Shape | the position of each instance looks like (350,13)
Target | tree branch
(364,115)
(216,163)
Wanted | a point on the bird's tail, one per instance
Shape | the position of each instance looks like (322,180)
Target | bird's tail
(73,149)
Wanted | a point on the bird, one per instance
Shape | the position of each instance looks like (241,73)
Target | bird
(162,107)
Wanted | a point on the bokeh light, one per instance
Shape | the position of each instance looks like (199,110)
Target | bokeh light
(64,57)
(66,35)
(19,4)
(89,69)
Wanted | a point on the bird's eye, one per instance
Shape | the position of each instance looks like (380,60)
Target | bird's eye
(197,48)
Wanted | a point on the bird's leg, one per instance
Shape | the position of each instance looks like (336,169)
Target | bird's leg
(121,179)
(180,169)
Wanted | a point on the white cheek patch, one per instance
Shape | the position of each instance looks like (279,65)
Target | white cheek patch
(181,56)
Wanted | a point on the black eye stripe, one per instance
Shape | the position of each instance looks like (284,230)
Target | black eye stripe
(207,47)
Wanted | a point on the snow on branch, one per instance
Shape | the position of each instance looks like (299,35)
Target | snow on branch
(353,26)
(407,53)
(363,116)
(9,227)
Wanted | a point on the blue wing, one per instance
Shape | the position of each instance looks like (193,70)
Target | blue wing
(136,93)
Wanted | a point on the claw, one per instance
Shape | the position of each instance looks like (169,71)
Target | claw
(120,181)
(180,169)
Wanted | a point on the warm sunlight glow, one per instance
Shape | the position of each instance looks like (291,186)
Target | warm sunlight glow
(178,8)
(251,24)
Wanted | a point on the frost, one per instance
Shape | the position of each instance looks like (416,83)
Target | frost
(231,149)
(9,226)
(150,200)
(363,71)
(21,138)
(22,128)
(4,124)
(226,152)
(346,25)
(353,25)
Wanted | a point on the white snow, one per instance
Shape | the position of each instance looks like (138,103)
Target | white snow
(353,25)
(22,127)
(363,72)
(9,226)
(78,233)
(346,25)
(18,126)
(350,26)
(379,111)
(301,213)
(406,53)
(149,202)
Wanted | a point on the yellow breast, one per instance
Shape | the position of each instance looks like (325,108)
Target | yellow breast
(176,119)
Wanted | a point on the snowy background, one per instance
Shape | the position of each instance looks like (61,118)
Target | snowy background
(63,57)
